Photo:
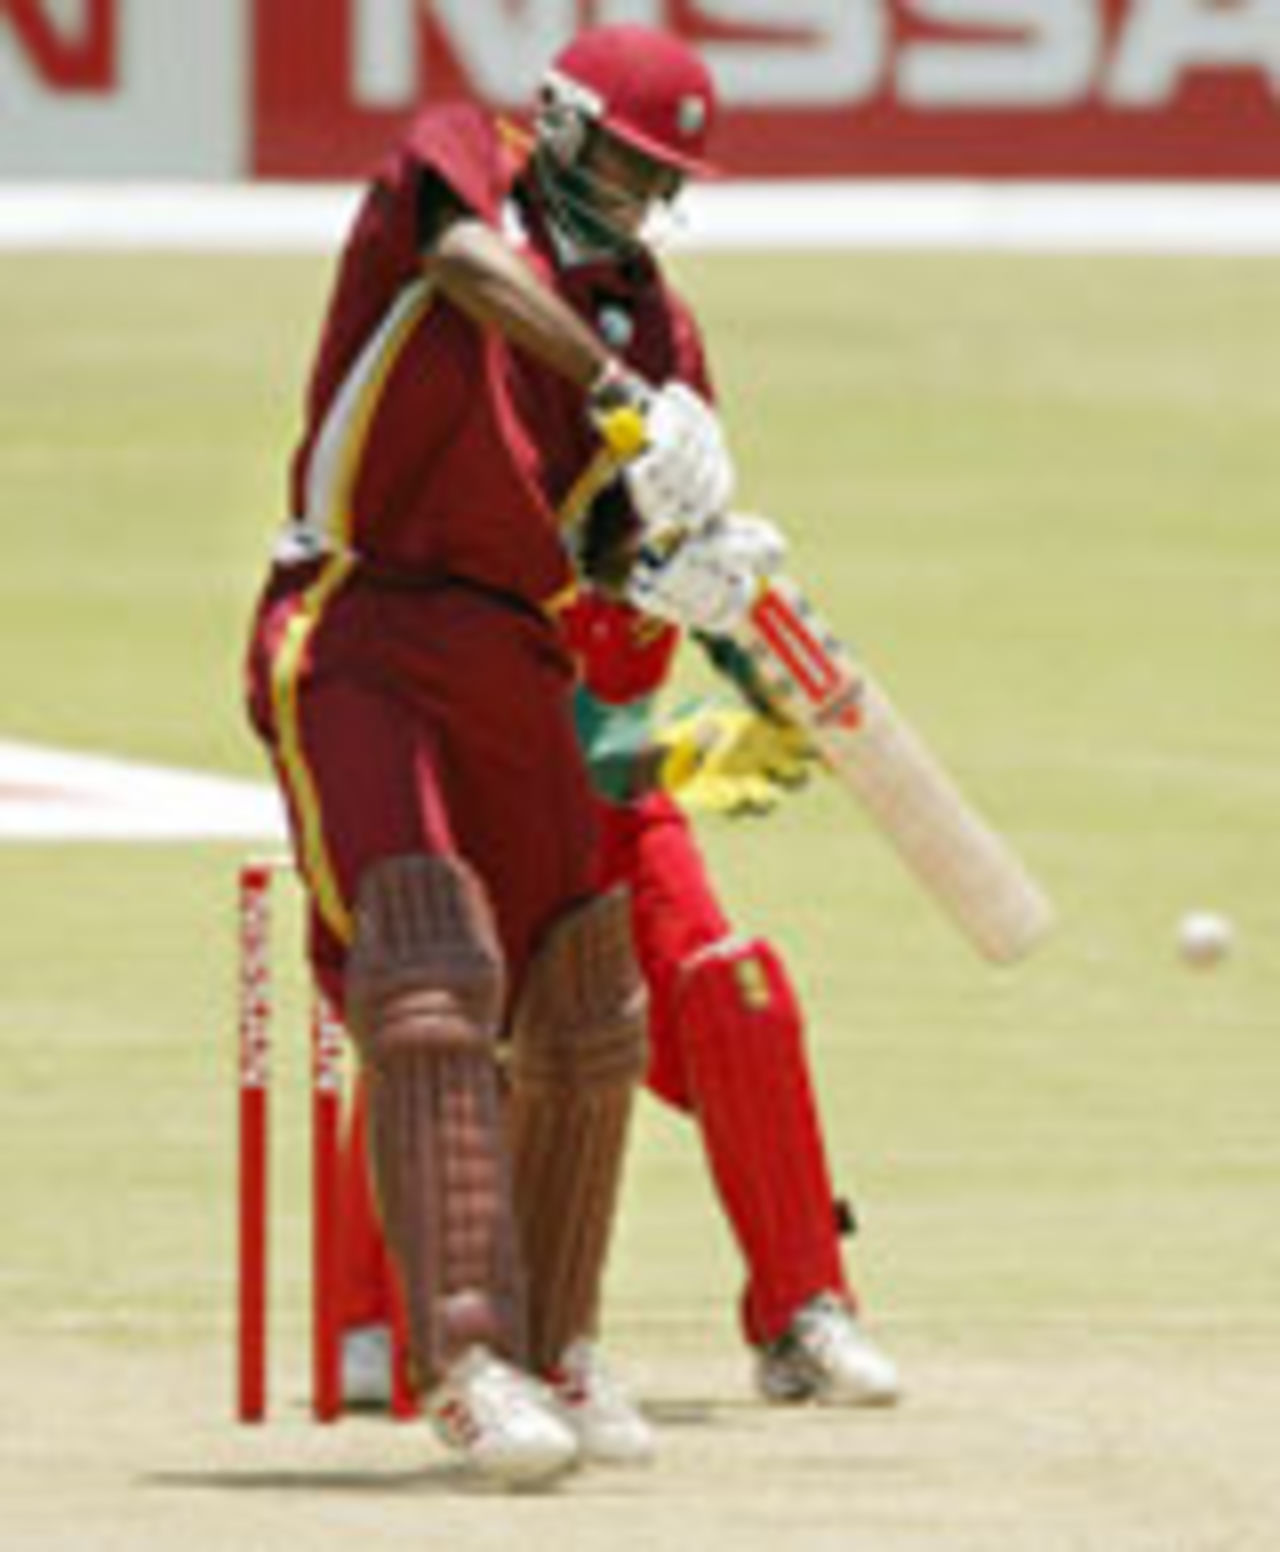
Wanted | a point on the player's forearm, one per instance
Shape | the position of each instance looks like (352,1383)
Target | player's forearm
(481,274)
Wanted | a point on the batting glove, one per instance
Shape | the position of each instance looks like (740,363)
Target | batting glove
(676,461)
(708,580)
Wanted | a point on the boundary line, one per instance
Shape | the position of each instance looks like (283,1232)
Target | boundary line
(1228,218)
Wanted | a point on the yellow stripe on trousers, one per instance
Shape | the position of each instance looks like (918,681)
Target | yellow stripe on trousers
(317,865)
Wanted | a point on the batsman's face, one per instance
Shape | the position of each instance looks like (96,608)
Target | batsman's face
(626,185)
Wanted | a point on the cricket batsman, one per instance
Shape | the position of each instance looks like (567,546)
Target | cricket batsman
(726,1029)
(495,309)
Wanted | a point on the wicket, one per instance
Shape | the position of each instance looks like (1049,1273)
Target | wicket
(256,996)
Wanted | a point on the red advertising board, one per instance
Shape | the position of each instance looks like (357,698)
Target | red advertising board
(903,88)
(1113,89)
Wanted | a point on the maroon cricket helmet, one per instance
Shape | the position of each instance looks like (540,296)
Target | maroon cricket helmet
(643,86)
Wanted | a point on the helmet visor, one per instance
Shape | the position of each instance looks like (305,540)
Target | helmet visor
(613,196)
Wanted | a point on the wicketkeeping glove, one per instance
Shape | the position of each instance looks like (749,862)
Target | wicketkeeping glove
(728,761)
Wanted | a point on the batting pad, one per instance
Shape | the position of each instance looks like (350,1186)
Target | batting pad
(578,1050)
(425,986)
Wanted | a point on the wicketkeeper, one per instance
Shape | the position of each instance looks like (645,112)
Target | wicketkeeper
(495,309)
(726,1027)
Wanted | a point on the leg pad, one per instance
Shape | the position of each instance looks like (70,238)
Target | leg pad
(741,1032)
(578,1050)
(424,997)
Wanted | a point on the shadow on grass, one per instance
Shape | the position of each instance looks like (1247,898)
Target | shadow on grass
(446,1479)
(677,1412)
(449,1480)
(426,1479)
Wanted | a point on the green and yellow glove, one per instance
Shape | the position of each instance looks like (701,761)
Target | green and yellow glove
(724,760)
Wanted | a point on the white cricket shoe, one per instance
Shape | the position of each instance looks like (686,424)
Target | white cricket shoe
(608,1425)
(502,1422)
(366,1366)
(825,1355)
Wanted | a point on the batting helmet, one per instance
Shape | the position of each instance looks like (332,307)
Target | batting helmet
(643,86)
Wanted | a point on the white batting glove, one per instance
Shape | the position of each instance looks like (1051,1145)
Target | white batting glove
(710,579)
(754,541)
(684,476)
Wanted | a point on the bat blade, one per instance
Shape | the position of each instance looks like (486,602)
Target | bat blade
(970,870)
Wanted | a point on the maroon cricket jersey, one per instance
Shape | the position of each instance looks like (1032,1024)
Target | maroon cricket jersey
(433,448)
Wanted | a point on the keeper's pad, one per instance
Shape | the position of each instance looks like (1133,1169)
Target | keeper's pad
(578,1049)
(424,1000)
(741,1033)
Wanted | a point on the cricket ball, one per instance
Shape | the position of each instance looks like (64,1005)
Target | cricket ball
(1204,939)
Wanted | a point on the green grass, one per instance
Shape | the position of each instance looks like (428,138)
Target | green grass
(1040,496)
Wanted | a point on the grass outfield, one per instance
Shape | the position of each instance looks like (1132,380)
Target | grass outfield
(1040,495)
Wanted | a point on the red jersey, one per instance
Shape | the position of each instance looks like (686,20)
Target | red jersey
(433,448)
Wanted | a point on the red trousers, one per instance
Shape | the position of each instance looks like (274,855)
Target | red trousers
(727,1046)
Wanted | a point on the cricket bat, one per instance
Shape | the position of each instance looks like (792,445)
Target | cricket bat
(965,865)
(971,872)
